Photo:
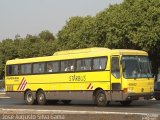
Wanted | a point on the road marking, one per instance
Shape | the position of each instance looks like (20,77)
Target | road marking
(4,97)
(76,112)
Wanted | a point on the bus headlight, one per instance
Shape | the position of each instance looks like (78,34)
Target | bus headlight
(125,90)
(130,89)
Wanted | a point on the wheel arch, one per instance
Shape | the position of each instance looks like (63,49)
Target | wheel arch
(39,89)
(94,92)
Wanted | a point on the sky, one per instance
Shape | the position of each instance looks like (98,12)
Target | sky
(33,16)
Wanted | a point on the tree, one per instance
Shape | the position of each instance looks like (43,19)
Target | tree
(77,33)
(7,51)
(134,24)
(46,36)
(31,46)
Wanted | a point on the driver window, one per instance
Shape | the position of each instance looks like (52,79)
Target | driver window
(115,68)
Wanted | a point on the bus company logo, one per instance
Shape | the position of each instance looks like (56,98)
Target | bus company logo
(90,86)
(132,84)
(22,84)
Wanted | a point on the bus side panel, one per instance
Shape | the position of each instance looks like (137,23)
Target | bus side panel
(67,81)
(74,85)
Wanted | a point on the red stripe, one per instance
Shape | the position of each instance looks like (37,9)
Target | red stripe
(24,85)
(20,83)
(89,86)
(92,87)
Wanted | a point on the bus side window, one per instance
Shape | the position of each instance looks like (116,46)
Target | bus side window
(79,65)
(71,65)
(87,64)
(25,69)
(115,68)
(64,66)
(68,65)
(99,63)
(52,66)
(83,64)
(38,67)
(12,70)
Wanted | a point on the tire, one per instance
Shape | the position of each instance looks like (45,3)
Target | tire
(126,103)
(66,102)
(100,98)
(41,98)
(29,98)
(157,98)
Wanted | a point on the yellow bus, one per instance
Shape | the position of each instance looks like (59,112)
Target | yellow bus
(99,74)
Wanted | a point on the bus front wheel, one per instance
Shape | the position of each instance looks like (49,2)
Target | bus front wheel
(29,98)
(100,98)
(41,98)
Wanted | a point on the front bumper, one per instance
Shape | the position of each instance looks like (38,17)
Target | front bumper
(156,93)
(137,96)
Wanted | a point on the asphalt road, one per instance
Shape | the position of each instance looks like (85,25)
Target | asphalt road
(78,110)
(143,106)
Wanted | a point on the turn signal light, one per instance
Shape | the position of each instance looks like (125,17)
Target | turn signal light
(125,90)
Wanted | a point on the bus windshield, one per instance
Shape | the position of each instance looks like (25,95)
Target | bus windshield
(136,67)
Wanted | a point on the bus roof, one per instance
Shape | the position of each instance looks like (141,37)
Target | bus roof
(128,52)
(79,53)
(86,50)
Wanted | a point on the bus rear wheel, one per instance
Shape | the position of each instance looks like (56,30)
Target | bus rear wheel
(41,97)
(29,98)
(100,98)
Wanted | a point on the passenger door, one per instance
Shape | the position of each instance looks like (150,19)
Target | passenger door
(116,93)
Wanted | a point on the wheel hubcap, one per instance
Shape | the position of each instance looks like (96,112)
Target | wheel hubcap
(101,98)
(41,97)
(29,98)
